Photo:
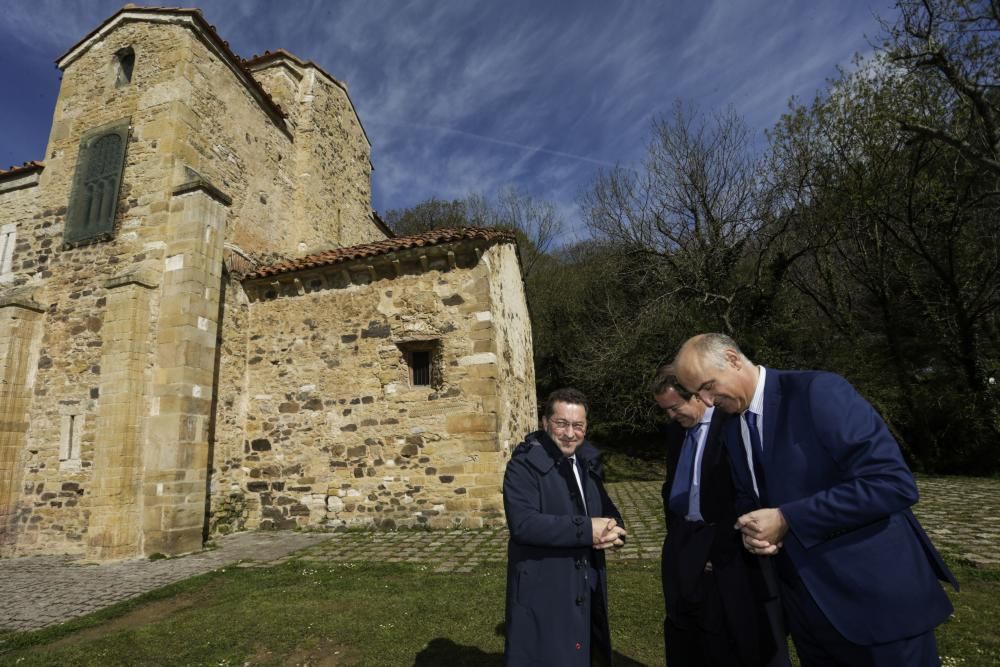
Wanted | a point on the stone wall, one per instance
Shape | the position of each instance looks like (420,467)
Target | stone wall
(512,345)
(335,433)
(332,155)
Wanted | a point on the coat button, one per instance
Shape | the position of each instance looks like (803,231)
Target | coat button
(579,600)
(579,564)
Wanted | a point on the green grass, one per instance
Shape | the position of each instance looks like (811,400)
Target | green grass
(307,613)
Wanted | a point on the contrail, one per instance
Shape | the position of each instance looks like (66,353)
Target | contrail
(501,142)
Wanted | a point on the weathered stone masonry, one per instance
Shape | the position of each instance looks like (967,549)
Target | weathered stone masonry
(234,350)
(334,433)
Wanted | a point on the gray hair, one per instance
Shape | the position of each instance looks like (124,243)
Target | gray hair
(713,346)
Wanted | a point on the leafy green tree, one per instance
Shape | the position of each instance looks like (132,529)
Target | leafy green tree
(906,268)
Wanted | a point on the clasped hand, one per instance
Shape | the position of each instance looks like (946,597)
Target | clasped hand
(606,533)
(763,530)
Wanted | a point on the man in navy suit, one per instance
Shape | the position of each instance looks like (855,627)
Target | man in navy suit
(714,616)
(825,491)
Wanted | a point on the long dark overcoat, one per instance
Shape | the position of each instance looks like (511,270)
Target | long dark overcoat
(551,567)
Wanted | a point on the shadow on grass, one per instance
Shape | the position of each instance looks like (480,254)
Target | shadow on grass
(441,651)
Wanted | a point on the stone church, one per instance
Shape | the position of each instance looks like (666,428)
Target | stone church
(205,327)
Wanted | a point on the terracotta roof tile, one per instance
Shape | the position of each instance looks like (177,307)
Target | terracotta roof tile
(25,168)
(337,255)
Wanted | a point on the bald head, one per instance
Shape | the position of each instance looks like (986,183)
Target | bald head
(712,366)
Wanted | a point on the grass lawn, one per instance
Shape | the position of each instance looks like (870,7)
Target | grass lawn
(307,613)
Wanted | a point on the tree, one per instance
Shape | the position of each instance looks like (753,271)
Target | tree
(697,219)
(907,261)
(427,215)
(953,48)
(533,221)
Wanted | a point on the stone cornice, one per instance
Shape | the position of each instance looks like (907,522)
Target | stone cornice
(201,185)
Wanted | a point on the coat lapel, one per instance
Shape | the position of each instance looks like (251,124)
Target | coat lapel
(588,461)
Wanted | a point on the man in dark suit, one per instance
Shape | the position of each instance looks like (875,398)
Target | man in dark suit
(829,497)
(713,614)
(561,520)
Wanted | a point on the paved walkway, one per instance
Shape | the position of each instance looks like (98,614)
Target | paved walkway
(961,514)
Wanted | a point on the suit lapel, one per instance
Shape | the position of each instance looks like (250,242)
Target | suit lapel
(713,443)
(772,403)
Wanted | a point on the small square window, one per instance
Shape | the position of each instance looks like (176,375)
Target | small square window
(423,362)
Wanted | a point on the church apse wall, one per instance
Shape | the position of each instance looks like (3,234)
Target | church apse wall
(371,394)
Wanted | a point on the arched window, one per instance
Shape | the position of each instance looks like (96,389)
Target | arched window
(92,206)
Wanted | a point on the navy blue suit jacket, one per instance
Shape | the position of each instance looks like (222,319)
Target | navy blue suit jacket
(691,544)
(838,476)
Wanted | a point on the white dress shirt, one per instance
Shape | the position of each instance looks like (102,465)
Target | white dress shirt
(757,407)
(579,482)
(694,498)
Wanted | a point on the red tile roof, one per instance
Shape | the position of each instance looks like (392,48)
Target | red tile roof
(209,29)
(25,168)
(386,246)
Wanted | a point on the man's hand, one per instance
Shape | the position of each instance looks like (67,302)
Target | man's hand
(763,530)
(606,533)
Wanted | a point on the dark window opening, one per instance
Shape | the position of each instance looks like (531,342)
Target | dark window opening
(125,60)
(423,361)
(420,368)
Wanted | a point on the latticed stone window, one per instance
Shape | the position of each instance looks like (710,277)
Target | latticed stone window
(94,202)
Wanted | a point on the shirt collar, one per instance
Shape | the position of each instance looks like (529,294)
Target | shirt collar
(757,402)
(707,417)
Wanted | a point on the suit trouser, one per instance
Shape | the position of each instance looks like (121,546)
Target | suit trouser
(819,644)
(699,637)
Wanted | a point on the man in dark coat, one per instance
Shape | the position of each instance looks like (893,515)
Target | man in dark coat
(711,587)
(561,520)
(859,577)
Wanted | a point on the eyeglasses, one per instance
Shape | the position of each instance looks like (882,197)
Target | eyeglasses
(562,425)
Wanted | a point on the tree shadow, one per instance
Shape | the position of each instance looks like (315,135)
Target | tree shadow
(625,661)
(442,651)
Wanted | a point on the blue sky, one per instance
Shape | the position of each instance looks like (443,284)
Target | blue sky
(462,96)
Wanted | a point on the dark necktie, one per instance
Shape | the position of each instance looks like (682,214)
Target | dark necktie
(680,490)
(757,452)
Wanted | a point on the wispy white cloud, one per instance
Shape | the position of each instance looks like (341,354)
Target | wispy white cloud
(461,97)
